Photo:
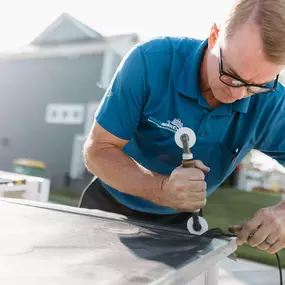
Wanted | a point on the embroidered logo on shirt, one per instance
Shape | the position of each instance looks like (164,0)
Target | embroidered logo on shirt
(172,126)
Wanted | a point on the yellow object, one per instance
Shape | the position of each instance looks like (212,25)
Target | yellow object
(19,182)
(30,163)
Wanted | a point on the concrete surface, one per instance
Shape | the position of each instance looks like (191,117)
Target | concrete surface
(245,272)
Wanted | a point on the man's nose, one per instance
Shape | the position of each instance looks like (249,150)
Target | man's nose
(238,93)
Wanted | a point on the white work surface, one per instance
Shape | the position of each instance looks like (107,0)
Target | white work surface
(42,243)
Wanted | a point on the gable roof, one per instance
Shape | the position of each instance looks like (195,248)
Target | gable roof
(66,29)
(90,42)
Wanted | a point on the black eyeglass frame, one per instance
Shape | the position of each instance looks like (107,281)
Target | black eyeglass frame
(244,83)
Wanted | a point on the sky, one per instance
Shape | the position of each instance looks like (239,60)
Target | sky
(22,21)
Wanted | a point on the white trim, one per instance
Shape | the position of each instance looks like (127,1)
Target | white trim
(34,52)
(107,71)
(131,37)
(121,45)
(90,113)
(77,165)
(51,52)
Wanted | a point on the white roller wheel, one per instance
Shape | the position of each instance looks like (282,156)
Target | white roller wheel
(203,223)
(187,131)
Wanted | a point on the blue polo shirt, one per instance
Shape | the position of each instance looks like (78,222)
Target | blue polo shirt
(156,90)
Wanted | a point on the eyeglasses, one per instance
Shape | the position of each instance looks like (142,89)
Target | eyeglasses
(236,82)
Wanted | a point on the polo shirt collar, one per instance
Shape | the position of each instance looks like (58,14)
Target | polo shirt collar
(242,105)
(188,81)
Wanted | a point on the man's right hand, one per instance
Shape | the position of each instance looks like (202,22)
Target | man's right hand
(185,189)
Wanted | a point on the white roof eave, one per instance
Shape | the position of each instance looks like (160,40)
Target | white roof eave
(34,52)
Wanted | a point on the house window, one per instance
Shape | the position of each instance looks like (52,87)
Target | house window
(72,114)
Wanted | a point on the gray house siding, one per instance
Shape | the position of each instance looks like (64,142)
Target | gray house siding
(31,89)
(26,87)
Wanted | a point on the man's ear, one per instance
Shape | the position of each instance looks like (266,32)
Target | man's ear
(213,36)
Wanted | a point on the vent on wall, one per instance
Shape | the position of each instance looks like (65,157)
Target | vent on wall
(71,114)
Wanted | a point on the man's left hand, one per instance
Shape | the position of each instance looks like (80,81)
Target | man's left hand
(264,230)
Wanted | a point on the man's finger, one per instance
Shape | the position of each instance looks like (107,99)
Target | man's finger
(269,240)
(196,205)
(200,204)
(198,187)
(258,237)
(195,174)
(248,229)
(278,245)
(263,246)
(198,196)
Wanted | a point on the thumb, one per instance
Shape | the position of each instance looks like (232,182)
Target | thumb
(235,229)
(200,165)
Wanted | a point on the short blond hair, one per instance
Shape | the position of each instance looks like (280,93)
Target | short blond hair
(269,15)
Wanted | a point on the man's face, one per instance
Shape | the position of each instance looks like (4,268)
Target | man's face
(242,56)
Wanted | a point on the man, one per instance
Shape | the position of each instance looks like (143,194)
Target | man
(225,89)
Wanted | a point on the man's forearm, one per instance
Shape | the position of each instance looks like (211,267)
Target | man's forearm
(121,172)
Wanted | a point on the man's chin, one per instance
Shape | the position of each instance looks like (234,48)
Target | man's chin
(226,99)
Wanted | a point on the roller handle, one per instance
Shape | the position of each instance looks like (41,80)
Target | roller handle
(187,163)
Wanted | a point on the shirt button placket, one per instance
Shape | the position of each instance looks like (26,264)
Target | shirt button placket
(203,133)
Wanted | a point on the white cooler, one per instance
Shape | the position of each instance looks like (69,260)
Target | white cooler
(34,188)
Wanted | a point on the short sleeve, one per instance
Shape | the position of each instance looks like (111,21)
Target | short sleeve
(272,141)
(121,108)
